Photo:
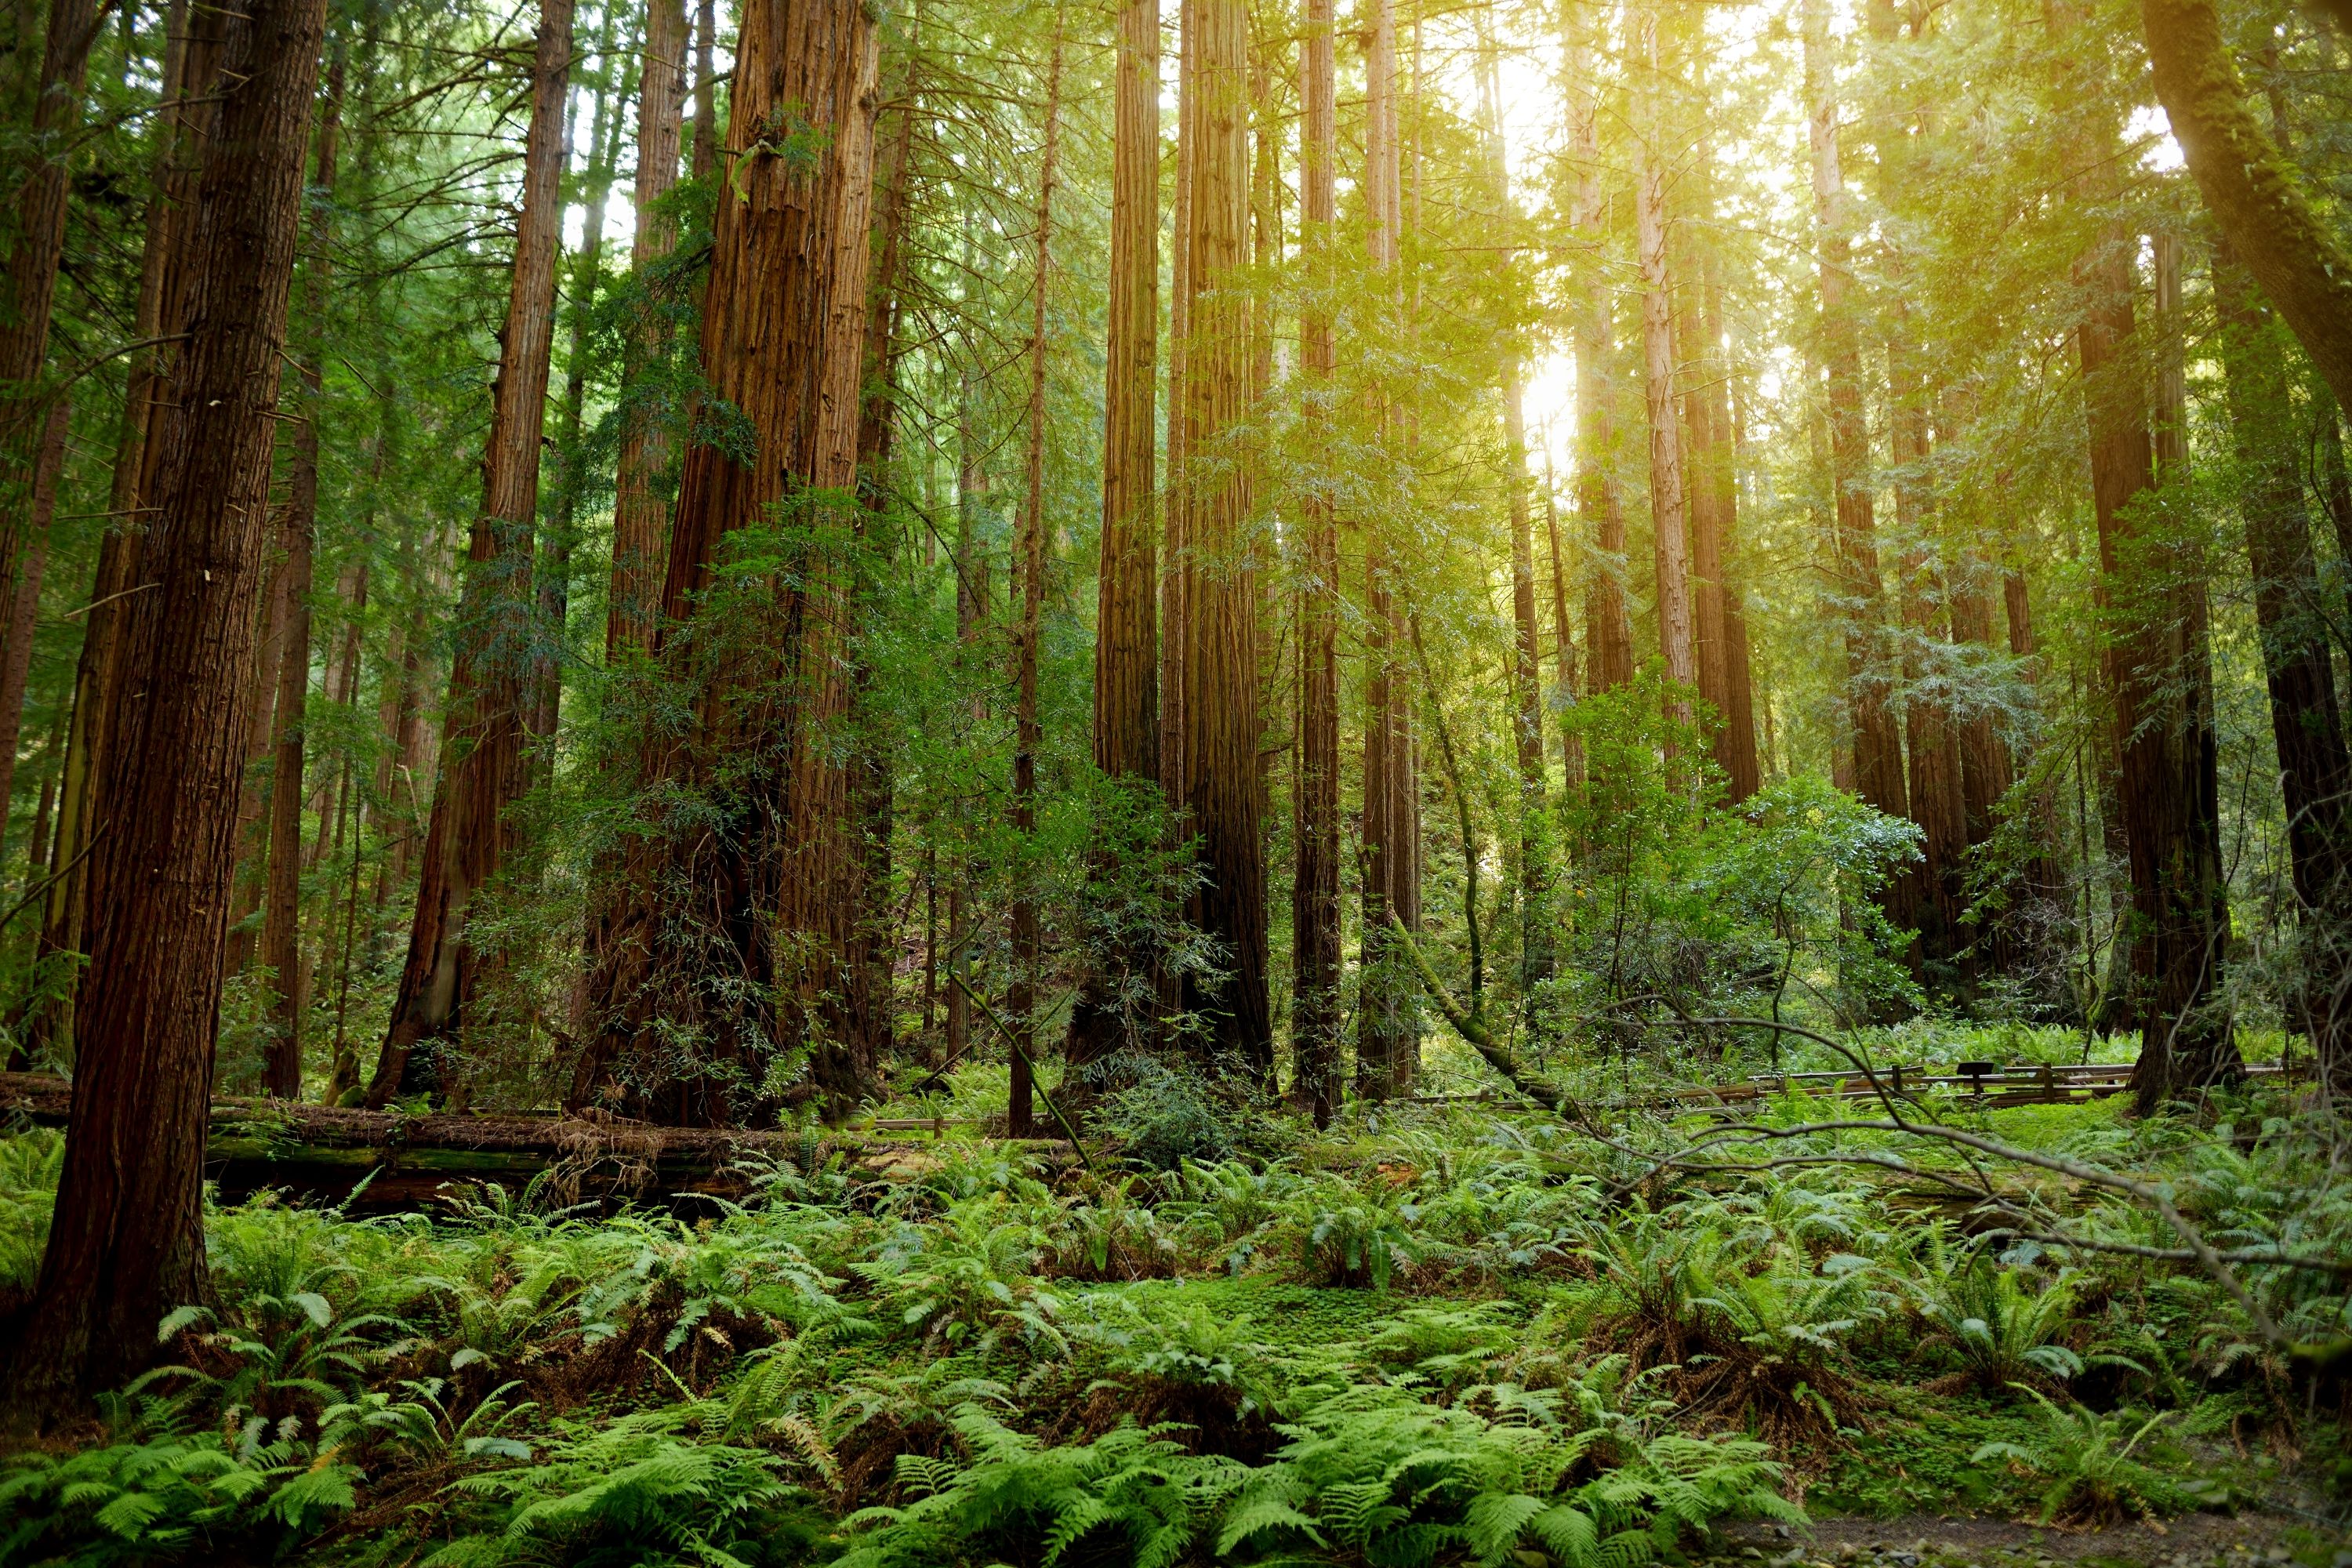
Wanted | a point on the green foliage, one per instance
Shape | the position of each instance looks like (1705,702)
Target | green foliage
(2003,1330)
(2090,1465)
(31,1163)
(254,1487)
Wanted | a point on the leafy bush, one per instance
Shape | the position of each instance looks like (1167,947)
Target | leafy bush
(2089,1464)
(2003,1332)
(31,1163)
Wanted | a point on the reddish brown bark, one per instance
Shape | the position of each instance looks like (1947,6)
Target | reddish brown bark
(184,123)
(1877,742)
(490,687)
(1316,957)
(1221,645)
(2156,660)
(1712,479)
(756,956)
(127,1243)
(640,513)
(28,284)
(1608,635)
(281,922)
(1126,678)
(2315,770)
(1933,783)
(1669,546)
(20,582)
(1028,734)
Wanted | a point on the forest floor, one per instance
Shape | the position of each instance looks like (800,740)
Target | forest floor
(1251,1343)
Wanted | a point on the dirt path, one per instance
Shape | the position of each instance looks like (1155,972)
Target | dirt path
(1926,1540)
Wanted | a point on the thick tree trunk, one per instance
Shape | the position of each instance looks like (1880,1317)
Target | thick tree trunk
(1221,694)
(127,1243)
(2315,770)
(282,929)
(1877,743)
(490,680)
(640,513)
(1315,930)
(2156,660)
(1126,683)
(1028,734)
(697,990)
(1934,781)
(1608,635)
(1668,541)
(2253,190)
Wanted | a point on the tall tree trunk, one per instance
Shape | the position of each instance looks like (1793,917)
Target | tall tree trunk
(2315,770)
(705,156)
(554,572)
(1175,554)
(1608,635)
(1714,483)
(184,123)
(640,513)
(1386,1018)
(2253,191)
(1877,743)
(1220,681)
(1315,919)
(1934,781)
(1127,685)
(23,594)
(2167,788)
(28,285)
(1028,734)
(127,1242)
(1565,686)
(281,920)
(490,686)
(689,1002)
(1668,544)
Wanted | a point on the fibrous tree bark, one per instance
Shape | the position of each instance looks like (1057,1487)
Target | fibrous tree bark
(491,678)
(1028,734)
(1126,731)
(1669,545)
(127,1241)
(640,511)
(2156,659)
(1222,791)
(1877,742)
(1316,1016)
(1608,637)
(2291,614)
(188,108)
(738,906)
(281,929)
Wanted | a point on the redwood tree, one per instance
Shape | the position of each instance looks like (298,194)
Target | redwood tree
(491,689)
(127,1242)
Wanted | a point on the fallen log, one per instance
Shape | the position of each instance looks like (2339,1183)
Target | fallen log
(323,1154)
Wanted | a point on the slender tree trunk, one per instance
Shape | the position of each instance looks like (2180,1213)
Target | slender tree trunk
(1175,555)
(554,572)
(1565,686)
(28,284)
(1676,630)
(1028,734)
(640,513)
(705,155)
(1386,1016)
(1316,956)
(686,1010)
(23,593)
(1877,743)
(1127,685)
(2315,770)
(1714,482)
(282,909)
(127,1242)
(1934,781)
(1609,637)
(182,125)
(490,689)
(1220,681)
